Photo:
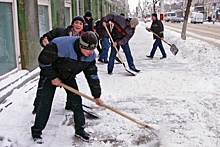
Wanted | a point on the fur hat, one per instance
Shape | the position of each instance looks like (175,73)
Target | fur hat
(88,40)
(134,21)
(80,18)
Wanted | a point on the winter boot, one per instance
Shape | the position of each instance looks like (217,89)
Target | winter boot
(134,69)
(149,56)
(163,57)
(83,135)
(36,135)
(38,140)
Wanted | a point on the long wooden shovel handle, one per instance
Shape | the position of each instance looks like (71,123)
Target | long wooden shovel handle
(160,38)
(104,105)
(97,34)
(110,36)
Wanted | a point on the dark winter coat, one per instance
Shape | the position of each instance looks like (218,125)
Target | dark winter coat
(122,32)
(62,59)
(100,29)
(97,27)
(157,27)
(57,32)
(89,25)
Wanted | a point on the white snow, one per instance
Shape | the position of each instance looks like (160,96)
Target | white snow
(178,96)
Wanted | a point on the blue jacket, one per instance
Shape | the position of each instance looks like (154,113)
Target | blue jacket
(62,59)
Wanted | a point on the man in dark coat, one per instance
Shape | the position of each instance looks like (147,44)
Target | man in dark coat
(157,28)
(73,30)
(121,33)
(61,60)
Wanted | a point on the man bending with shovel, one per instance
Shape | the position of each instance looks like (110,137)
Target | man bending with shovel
(60,61)
(121,34)
(157,28)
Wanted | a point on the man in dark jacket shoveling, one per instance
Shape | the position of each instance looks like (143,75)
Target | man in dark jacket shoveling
(121,33)
(74,29)
(61,60)
(157,28)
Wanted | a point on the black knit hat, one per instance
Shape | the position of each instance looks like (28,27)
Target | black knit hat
(80,18)
(88,14)
(88,41)
(154,14)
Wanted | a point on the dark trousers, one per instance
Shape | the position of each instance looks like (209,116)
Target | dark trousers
(128,55)
(106,45)
(159,44)
(38,96)
(46,93)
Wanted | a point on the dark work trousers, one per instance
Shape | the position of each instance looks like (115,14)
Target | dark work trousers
(38,96)
(128,55)
(46,93)
(159,44)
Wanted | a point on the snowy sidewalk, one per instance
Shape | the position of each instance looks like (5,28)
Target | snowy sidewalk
(179,93)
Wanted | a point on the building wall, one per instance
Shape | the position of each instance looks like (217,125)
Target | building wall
(29,33)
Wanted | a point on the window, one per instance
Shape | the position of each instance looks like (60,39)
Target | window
(68,14)
(43,19)
(44,16)
(7,39)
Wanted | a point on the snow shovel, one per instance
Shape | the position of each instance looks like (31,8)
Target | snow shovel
(173,47)
(89,112)
(108,107)
(119,56)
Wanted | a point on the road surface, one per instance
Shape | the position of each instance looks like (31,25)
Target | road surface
(207,32)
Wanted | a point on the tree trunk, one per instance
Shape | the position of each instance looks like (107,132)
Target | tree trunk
(183,34)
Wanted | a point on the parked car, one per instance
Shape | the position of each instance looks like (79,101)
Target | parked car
(177,19)
(168,16)
(196,17)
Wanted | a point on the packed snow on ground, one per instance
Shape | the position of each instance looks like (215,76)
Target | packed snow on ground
(178,96)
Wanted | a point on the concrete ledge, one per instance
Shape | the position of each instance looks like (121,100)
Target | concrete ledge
(15,81)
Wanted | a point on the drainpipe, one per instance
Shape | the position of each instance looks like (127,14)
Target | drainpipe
(77,7)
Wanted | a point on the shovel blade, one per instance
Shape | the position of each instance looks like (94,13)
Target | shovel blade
(131,72)
(91,114)
(174,49)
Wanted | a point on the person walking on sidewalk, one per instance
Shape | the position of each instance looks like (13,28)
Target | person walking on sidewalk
(60,61)
(73,30)
(121,33)
(157,27)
